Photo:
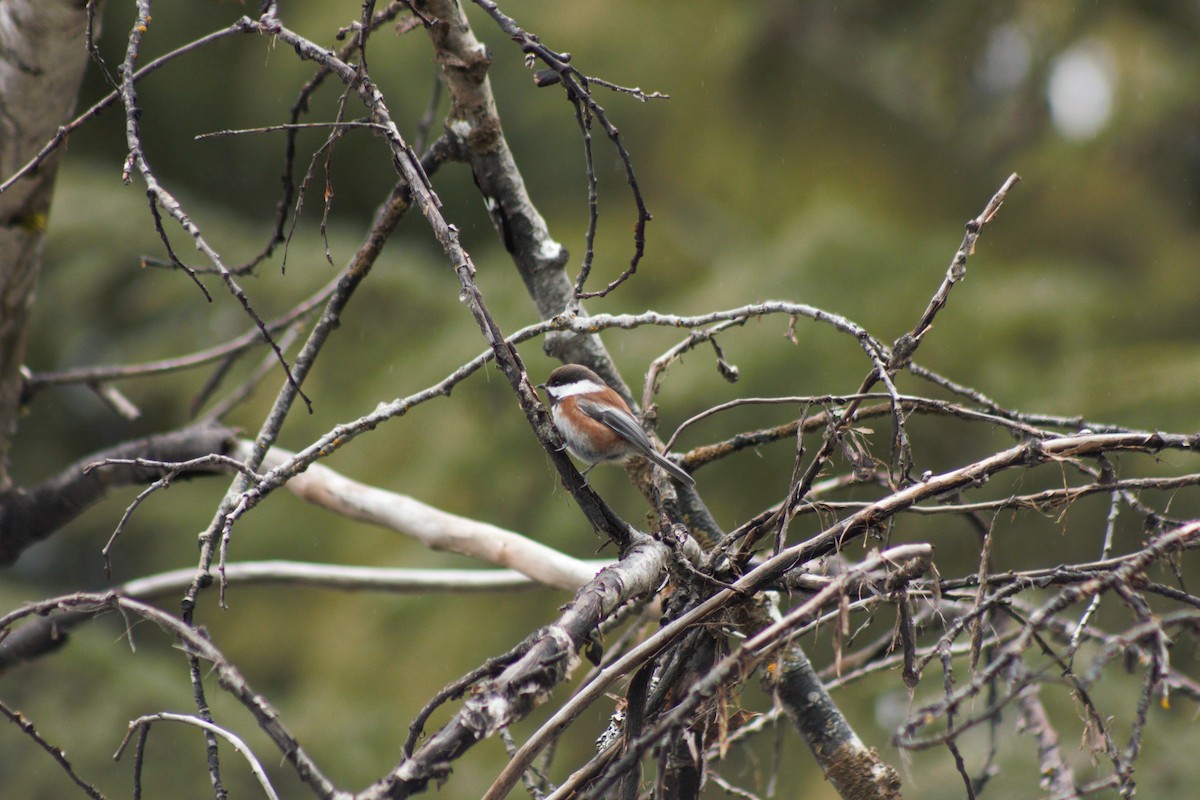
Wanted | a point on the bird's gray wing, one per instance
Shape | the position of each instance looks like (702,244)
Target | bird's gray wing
(627,427)
(624,424)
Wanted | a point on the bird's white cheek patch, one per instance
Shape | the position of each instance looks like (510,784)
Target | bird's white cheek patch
(579,387)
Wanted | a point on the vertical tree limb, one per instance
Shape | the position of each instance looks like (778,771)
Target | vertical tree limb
(540,260)
(42,60)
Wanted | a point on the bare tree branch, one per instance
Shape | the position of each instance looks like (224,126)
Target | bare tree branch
(433,527)
(142,725)
(551,654)
(46,634)
(30,515)
(197,645)
(56,753)
(691,627)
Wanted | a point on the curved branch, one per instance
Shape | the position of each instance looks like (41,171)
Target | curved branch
(197,645)
(436,529)
(143,723)
(30,515)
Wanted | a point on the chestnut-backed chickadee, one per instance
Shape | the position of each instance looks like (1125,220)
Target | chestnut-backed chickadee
(596,423)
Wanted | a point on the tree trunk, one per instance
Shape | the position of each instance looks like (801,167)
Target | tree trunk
(42,60)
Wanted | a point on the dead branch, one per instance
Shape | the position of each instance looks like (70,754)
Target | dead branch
(29,515)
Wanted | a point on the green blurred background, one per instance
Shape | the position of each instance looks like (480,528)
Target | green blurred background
(815,152)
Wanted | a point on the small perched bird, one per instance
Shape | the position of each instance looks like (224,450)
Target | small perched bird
(596,423)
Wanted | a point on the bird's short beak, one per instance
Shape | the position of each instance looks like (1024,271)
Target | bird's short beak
(541,386)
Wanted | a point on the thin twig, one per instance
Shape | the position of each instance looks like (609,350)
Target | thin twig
(141,725)
(57,753)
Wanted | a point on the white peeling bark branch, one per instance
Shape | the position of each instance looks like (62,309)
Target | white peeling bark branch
(48,632)
(436,529)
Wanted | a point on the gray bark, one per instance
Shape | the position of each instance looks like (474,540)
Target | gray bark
(42,60)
